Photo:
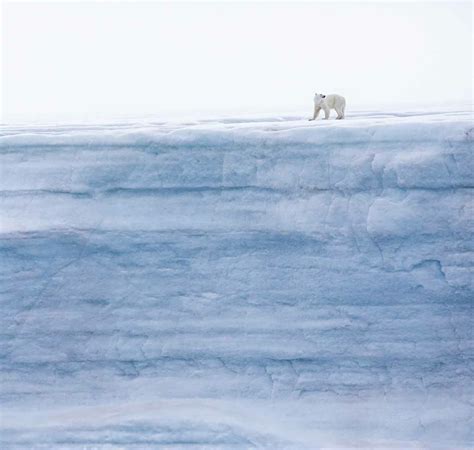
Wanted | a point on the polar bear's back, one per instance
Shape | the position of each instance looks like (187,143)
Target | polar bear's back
(335,100)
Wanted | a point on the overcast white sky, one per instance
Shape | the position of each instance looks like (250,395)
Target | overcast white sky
(82,59)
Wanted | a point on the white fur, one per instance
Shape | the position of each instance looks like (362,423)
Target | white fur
(328,102)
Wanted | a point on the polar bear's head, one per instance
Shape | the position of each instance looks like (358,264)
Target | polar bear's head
(318,99)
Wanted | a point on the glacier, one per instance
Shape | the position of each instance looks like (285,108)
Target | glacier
(253,282)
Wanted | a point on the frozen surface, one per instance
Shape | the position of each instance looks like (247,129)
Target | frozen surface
(238,283)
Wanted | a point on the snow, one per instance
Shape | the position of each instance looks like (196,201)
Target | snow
(259,282)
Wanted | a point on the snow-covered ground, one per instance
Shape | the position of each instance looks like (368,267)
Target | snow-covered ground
(262,282)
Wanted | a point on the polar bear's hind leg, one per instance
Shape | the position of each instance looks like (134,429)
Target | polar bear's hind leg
(340,112)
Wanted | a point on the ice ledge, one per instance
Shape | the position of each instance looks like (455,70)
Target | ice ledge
(452,126)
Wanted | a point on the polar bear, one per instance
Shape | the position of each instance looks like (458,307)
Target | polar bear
(327,102)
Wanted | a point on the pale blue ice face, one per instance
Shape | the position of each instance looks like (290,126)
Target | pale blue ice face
(240,283)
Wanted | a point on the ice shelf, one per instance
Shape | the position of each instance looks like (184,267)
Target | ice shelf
(238,283)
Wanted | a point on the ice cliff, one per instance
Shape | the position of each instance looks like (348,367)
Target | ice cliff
(265,283)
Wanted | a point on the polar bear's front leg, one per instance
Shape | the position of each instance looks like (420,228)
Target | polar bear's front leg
(326,113)
(316,112)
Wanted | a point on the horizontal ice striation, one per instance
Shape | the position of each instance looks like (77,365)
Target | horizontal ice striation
(233,284)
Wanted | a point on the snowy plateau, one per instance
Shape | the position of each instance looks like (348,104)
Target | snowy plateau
(263,282)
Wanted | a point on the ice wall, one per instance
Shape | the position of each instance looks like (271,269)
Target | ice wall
(271,283)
